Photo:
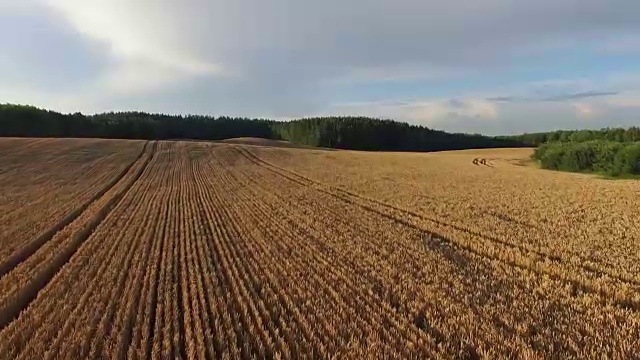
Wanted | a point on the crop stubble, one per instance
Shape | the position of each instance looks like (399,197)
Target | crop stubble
(229,251)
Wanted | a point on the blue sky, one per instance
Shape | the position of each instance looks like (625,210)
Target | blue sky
(487,66)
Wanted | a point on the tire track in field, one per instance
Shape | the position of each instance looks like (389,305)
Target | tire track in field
(351,198)
(21,299)
(253,273)
(261,278)
(147,332)
(196,319)
(164,325)
(249,252)
(346,195)
(31,247)
(434,239)
(324,245)
(136,321)
(233,271)
(106,302)
(347,297)
(516,259)
(257,251)
(202,345)
(119,314)
(113,264)
(339,192)
(181,331)
(63,285)
(219,320)
(147,305)
(305,181)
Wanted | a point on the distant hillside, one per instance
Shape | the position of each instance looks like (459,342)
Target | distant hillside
(356,133)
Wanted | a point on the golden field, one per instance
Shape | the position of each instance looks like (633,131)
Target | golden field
(133,249)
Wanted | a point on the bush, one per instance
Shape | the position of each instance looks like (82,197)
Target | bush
(550,155)
(578,157)
(601,156)
(605,157)
(627,161)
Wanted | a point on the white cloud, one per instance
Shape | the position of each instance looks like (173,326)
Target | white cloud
(525,109)
(60,101)
(585,110)
(144,37)
(138,77)
(424,112)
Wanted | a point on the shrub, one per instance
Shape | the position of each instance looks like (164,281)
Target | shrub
(602,156)
(627,161)
(605,157)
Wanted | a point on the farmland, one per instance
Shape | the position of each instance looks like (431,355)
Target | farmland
(169,249)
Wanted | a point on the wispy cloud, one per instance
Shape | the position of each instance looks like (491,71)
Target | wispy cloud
(580,95)
(506,99)
(423,111)
(557,97)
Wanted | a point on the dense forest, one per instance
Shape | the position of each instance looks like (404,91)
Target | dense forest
(363,133)
(610,151)
(24,121)
(613,158)
(356,133)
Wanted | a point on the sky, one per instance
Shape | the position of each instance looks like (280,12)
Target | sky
(477,66)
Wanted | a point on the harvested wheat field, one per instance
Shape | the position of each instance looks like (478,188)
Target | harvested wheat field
(133,249)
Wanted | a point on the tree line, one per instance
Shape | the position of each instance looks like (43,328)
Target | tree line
(355,133)
(631,134)
(29,121)
(610,151)
(362,133)
(613,158)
